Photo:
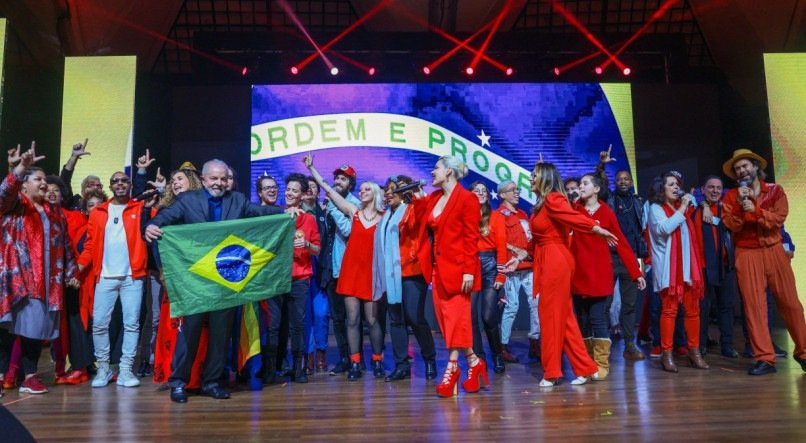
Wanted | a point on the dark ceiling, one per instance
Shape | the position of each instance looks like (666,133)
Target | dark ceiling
(180,37)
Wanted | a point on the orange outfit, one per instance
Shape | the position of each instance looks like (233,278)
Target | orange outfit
(553,271)
(760,263)
(454,252)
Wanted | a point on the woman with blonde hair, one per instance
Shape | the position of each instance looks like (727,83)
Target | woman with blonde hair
(355,278)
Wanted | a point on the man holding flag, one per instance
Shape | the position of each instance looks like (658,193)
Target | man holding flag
(222,263)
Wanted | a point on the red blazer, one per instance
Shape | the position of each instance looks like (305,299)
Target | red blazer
(456,239)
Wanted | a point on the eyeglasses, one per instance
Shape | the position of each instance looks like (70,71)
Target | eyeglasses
(269,188)
(517,191)
(117,180)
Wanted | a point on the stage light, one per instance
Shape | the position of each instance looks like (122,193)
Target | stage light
(598,70)
(509,71)
(556,71)
(294,70)
(469,70)
(627,70)
(426,70)
(244,71)
(334,71)
(371,71)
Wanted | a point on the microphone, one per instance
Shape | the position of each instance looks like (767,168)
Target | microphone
(147,194)
(744,183)
(681,193)
(573,195)
(410,186)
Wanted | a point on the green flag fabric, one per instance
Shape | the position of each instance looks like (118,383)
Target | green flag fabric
(218,265)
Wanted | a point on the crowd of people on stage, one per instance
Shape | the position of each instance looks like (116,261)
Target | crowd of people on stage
(82,272)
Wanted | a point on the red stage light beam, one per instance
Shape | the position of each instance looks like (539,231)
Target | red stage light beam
(299,66)
(496,24)
(655,17)
(587,34)
(377,8)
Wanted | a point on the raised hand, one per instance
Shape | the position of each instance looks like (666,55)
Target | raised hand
(308,160)
(144,161)
(14,157)
(80,149)
(29,157)
(159,181)
(604,156)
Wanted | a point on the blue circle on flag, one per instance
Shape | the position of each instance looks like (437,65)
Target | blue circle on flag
(233,263)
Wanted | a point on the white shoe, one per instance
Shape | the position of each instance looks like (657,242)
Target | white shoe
(580,381)
(102,377)
(547,383)
(127,379)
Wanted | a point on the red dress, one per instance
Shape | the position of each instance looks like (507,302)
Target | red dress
(553,271)
(594,275)
(355,278)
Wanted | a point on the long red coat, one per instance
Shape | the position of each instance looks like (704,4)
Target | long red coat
(456,239)
(22,249)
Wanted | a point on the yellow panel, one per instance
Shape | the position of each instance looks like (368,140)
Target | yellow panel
(98,104)
(786,98)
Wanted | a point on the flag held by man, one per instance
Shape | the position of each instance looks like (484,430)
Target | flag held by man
(212,266)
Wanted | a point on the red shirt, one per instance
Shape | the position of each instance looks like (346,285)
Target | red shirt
(301,267)
(517,226)
(761,228)
(495,240)
(409,231)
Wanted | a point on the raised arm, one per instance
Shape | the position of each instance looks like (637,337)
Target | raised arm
(348,208)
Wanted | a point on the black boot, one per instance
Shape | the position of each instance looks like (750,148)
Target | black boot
(269,373)
(430,369)
(355,372)
(498,364)
(377,369)
(299,370)
(342,366)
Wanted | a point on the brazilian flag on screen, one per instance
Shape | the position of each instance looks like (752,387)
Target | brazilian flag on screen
(212,266)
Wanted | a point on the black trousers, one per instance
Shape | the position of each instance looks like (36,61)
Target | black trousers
(292,306)
(82,353)
(411,312)
(724,296)
(338,315)
(187,343)
(31,349)
(629,300)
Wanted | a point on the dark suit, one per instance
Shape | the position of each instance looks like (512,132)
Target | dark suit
(194,207)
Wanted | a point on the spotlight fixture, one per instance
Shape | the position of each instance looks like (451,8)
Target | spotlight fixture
(598,70)
(509,71)
(334,71)
(371,71)
(556,71)
(469,70)
(426,70)
(294,70)
(627,70)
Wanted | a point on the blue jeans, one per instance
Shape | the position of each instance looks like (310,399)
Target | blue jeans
(591,314)
(317,324)
(516,282)
(107,291)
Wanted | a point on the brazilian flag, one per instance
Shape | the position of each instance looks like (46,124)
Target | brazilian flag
(219,265)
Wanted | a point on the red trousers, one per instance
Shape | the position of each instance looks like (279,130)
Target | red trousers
(453,315)
(691,321)
(760,268)
(559,329)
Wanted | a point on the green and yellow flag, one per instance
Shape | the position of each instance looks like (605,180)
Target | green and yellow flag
(212,266)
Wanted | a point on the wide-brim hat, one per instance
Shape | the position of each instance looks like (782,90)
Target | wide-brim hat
(739,154)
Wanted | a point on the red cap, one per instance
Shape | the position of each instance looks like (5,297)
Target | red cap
(345,170)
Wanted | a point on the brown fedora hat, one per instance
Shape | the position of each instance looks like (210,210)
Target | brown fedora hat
(739,154)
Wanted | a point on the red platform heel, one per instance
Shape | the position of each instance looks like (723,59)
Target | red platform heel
(475,375)
(450,380)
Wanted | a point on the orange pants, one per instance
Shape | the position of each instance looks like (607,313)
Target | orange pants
(760,268)
(453,316)
(559,329)
(691,308)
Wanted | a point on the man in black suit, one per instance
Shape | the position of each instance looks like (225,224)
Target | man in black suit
(211,203)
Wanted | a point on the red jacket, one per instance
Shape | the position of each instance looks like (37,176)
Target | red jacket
(93,253)
(456,239)
(594,266)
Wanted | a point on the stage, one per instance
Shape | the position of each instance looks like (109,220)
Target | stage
(638,402)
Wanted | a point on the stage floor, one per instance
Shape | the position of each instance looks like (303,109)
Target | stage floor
(638,402)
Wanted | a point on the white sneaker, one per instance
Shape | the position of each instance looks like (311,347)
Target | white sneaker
(547,383)
(127,379)
(102,377)
(580,381)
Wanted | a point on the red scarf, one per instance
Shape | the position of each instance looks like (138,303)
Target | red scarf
(676,282)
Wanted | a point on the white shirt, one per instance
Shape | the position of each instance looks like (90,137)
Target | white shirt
(116,250)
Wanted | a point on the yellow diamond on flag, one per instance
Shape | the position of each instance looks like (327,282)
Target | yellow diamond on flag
(232,263)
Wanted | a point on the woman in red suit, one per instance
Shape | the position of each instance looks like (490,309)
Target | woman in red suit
(448,254)
(592,285)
(552,220)
(355,279)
